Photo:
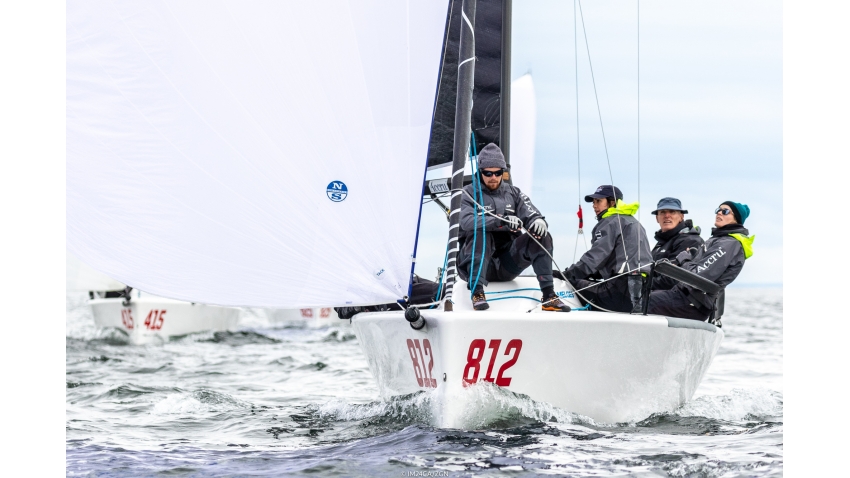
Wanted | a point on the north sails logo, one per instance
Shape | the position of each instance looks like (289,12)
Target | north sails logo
(337,191)
(711,260)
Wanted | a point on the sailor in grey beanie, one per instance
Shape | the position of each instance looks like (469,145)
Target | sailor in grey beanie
(491,157)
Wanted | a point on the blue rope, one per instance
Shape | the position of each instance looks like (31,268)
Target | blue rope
(479,197)
(512,290)
(515,297)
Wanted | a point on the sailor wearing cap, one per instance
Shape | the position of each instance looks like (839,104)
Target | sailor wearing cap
(619,245)
(720,260)
(676,235)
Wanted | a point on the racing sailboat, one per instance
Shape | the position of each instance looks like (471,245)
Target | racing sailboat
(210,145)
(144,318)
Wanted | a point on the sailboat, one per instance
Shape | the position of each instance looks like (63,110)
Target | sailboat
(144,318)
(209,148)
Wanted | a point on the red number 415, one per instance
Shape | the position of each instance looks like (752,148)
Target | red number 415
(155,319)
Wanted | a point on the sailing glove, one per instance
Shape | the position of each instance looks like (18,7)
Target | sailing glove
(686,255)
(538,227)
(512,222)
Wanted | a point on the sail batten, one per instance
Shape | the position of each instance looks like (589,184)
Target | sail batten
(250,154)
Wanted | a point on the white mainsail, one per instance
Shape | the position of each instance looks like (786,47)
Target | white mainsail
(265,153)
(523,129)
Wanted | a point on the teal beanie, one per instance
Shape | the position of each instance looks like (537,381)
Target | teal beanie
(739,210)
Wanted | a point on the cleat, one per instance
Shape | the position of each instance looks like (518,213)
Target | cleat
(479,302)
(553,303)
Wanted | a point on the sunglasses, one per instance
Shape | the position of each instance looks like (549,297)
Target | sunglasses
(492,173)
(723,210)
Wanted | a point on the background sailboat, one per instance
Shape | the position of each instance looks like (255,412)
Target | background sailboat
(143,317)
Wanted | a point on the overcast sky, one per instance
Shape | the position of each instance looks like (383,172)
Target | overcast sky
(710,116)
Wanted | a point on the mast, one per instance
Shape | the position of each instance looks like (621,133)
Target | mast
(505,100)
(462,132)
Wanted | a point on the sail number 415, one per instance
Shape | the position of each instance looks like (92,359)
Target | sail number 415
(155,319)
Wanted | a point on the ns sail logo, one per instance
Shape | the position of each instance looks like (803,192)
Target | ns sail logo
(337,191)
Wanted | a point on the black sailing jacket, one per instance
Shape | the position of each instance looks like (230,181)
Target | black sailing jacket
(720,260)
(506,200)
(670,244)
(606,257)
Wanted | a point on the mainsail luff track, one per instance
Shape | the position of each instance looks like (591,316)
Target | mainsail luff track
(463,120)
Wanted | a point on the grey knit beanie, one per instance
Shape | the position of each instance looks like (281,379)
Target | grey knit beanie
(491,157)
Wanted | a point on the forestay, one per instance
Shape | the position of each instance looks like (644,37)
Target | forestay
(259,153)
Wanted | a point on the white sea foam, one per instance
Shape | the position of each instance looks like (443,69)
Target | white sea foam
(739,405)
(482,406)
(199,401)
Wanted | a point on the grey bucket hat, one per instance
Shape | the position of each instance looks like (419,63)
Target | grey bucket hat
(672,204)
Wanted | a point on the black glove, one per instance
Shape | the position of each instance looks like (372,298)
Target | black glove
(684,256)
(568,274)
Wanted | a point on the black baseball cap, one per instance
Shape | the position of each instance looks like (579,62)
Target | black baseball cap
(605,191)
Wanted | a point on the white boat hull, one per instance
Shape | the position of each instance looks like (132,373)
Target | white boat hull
(610,367)
(148,318)
(310,317)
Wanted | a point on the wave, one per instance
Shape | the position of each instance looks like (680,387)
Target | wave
(483,406)
(740,405)
(242,337)
(131,390)
(199,401)
(339,335)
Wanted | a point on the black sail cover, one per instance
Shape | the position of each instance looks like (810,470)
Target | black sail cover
(487,91)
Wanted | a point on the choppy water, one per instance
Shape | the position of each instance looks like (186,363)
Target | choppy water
(277,400)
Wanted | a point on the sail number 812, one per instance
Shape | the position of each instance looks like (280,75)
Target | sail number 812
(476,353)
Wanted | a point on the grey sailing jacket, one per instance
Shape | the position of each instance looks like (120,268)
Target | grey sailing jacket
(719,260)
(606,257)
(506,200)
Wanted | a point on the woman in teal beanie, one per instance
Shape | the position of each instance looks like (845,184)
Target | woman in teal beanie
(719,260)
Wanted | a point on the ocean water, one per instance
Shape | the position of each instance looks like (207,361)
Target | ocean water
(272,399)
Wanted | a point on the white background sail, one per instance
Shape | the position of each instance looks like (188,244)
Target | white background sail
(80,277)
(523,129)
(202,138)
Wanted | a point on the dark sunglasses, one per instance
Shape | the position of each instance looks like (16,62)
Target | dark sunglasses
(492,173)
(723,211)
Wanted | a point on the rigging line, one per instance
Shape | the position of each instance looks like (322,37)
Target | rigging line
(580,232)
(555,263)
(638,122)
(594,285)
(604,142)
(578,138)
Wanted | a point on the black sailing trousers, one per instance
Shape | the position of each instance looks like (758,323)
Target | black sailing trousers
(674,303)
(505,257)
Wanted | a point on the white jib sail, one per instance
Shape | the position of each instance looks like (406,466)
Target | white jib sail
(79,277)
(263,153)
(523,129)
